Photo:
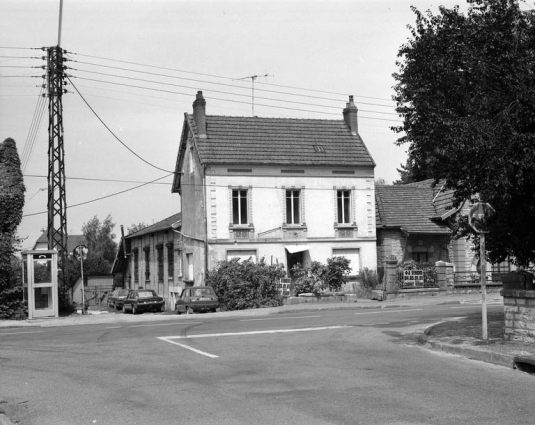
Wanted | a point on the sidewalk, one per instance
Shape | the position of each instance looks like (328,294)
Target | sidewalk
(463,337)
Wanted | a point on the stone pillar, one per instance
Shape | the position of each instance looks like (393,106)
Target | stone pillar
(519,309)
(390,278)
(444,275)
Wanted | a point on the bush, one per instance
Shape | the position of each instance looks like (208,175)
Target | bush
(369,280)
(319,277)
(240,285)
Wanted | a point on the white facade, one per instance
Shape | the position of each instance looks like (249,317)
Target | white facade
(266,232)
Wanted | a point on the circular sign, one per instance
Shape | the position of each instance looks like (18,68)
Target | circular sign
(479,215)
(80,252)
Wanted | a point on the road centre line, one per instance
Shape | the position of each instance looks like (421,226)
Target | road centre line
(160,324)
(213,356)
(280,318)
(187,347)
(24,332)
(271,331)
(166,324)
(389,311)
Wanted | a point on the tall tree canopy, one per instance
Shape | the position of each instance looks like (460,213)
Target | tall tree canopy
(466,92)
(11,203)
(100,238)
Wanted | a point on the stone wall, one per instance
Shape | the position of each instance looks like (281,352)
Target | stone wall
(519,309)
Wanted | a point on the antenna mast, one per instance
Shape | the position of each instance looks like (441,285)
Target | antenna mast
(253,78)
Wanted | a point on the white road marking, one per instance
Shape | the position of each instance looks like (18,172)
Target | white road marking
(160,324)
(165,324)
(280,318)
(171,338)
(390,311)
(187,347)
(272,331)
(25,332)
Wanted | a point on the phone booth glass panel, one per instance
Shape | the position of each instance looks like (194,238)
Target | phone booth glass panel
(41,279)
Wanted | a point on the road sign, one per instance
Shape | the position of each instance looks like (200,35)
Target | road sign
(80,252)
(478,216)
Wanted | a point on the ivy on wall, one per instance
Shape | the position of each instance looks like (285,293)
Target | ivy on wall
(11,203)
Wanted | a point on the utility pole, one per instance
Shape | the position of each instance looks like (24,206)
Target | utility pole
(253,78)
(57,204)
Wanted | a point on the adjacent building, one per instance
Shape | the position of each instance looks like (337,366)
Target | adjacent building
(285,190)
(152,259)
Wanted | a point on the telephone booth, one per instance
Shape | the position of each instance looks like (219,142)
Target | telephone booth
(40,270)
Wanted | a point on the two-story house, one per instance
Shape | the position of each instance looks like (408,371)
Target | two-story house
(286,190)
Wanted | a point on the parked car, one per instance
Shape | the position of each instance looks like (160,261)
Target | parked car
(197,299)
(140,300)
(116,298)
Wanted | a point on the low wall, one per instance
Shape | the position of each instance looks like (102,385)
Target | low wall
(519,309)
(324,299)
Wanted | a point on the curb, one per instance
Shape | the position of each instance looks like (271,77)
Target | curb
(470,353)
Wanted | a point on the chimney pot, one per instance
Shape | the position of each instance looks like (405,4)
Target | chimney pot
(351,116)
(199,114)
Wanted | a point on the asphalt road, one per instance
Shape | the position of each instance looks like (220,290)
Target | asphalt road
(325,367)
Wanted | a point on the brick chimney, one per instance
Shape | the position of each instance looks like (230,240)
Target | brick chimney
(351,116)
(199,114)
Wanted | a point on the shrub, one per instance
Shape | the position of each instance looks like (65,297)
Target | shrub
(319,277)
(369,280)
(241,285)
(309,279)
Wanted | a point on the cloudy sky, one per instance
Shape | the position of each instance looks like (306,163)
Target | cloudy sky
(135,66)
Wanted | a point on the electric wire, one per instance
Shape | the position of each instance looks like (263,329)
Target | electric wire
(218,91)
(222,77)
(33,131)
(225,100)
(215,83)
(102,197)
(112,133)
(98,180)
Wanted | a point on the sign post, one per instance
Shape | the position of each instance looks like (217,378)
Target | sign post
(80,253)
(478,215)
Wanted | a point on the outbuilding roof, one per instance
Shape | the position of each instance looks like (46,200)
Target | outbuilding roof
(408,207)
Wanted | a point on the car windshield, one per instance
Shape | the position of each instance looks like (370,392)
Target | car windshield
(146,294)
(123,292)
(203,292)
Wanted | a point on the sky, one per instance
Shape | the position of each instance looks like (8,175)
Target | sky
(134,67)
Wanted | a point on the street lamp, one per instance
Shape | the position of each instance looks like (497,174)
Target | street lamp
(80,253)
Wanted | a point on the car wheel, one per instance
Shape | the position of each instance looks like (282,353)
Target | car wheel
(214,310)
(124,308)
(134,309)
(177,311)
(189,310)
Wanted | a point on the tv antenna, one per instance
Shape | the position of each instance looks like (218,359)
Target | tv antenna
(253,78)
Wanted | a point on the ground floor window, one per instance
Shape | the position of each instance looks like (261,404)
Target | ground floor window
(242,254)
(353,255)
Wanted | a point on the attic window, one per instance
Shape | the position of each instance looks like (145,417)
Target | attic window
(319,148)
(293,171)
(343,172)
(239,170)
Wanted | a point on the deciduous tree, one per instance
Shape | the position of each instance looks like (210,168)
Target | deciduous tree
(466,92)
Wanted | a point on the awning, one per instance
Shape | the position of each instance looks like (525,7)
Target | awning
(296,248)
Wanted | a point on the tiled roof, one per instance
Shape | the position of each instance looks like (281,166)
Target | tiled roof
(72,241)
(409,207)
(442,198)
(165,224)
(282,141)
